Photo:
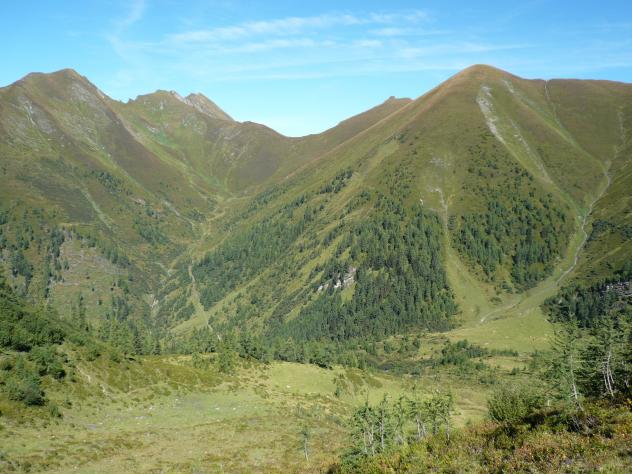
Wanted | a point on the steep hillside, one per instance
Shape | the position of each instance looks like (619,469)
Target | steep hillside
(486,192)
(167,270)
(99,197)
(491,169)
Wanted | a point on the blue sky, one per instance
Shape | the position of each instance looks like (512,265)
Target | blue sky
(301,67)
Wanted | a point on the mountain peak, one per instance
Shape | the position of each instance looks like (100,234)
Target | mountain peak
(477,73)
(206,106)
(198,101)
(393,99)
(469,79)
(66,74)
(69,73)
(64,84)
(482,69)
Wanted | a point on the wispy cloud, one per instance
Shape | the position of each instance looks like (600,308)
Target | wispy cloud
(299,47)
(292,26)
(134,14)
(394,31)
(456,48)
(277,27)
(219,51)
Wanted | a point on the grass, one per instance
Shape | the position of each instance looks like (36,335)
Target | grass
(525,333)
(90,275)
(160,413)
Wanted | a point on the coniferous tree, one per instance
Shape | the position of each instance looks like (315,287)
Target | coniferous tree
(418,414)
(607,357)
(226,357)
(566,363)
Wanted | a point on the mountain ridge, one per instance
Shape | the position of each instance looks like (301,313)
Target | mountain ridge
(166,182)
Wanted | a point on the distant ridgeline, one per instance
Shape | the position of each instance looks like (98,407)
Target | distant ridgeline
(161,224)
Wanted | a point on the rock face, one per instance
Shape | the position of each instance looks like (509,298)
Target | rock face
(347,280)
(621,288)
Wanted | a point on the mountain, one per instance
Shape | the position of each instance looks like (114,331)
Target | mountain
(190,293)
(417,214)
(500,169)
(134,182)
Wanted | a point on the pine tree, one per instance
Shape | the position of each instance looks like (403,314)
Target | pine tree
(363,429)
(156,347)
(566,363)
(607,357)
(137,341)
(418,414)
(384,423)
(226,358)
(399,421)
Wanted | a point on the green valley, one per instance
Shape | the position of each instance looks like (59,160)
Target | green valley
(183,292)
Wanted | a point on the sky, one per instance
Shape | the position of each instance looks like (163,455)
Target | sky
(302,67)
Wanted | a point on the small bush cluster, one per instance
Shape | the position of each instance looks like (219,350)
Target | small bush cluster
(510,403)
(547,440)
(21,382)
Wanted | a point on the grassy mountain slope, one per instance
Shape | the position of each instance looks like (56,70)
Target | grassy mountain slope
(161,225)
(470,199)
(85,178)
(490,155)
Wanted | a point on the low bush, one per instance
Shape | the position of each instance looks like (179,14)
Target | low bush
(509,404)
(47,362)
(23,385)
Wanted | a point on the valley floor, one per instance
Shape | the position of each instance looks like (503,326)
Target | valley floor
(161,414)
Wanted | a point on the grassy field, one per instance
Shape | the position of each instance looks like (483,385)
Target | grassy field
(161,414)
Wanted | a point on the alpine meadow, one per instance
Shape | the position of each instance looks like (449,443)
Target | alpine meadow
(439,284)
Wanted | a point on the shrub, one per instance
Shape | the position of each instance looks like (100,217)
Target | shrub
(22,384)
(24,389)
(54,411)
(92,352)
(6,363)
(509,404)
(47,362)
